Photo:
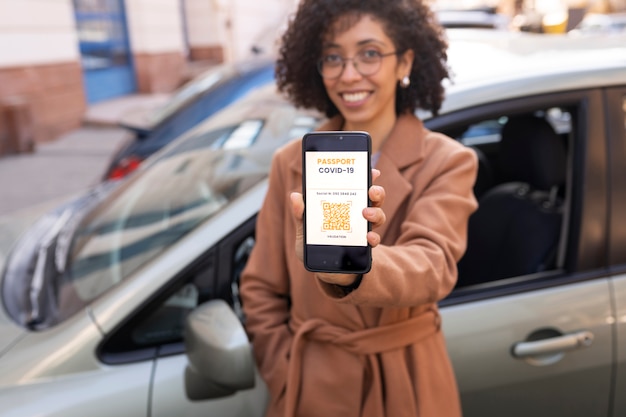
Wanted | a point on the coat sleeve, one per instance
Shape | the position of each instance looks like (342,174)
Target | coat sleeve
(420,267)
(265,287)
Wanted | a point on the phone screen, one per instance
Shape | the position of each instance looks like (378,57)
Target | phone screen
(336,181)
(336,196)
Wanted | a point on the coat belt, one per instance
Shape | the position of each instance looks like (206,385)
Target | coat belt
(367,342)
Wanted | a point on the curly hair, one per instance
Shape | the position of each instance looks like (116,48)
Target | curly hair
(410,24)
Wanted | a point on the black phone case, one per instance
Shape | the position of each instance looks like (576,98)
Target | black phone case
(336,258)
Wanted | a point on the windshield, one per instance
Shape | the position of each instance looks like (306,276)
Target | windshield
(169,197)
(151,213)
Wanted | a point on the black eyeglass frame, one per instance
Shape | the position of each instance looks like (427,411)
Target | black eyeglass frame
(344,61)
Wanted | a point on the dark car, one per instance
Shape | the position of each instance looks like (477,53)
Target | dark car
(195,101)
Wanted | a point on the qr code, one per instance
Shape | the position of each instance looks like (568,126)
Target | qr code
(336,216)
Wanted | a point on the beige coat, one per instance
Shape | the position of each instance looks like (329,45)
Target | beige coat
(378,351)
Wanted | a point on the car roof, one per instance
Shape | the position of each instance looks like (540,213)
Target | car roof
(494,65)
(201,84)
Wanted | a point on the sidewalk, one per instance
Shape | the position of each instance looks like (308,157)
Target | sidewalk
(70,164)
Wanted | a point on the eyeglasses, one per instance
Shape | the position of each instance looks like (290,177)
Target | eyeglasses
(366,62)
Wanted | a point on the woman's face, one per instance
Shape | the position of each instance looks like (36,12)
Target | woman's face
(364,100)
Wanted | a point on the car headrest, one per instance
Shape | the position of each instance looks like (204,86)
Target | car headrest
(532,152)
(484,178)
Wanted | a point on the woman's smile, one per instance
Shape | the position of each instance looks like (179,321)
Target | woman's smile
(355,98)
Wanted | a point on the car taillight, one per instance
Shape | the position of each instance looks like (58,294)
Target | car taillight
(124,167)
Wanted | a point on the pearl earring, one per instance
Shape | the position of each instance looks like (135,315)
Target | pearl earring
(405,82)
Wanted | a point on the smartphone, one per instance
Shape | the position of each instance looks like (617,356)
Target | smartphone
(336,177)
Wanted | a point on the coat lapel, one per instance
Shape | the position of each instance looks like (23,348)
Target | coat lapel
(403,148)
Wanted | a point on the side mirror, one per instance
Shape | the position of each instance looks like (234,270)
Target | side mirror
(220,356)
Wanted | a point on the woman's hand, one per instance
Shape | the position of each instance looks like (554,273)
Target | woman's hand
(373,214)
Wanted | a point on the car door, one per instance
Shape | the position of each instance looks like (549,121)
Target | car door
(616,119)
(493,382)
(156,332)
(218,277)
(541,343)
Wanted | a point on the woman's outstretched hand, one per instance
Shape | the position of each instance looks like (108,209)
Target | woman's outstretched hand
(373,214)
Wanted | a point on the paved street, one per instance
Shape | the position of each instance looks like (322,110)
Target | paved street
(71,163)
(57,169)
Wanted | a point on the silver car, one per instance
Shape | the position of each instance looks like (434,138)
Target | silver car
(130,307)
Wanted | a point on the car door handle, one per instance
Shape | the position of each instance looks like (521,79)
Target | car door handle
(562,343)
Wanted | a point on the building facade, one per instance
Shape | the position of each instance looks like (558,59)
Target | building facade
(58,56)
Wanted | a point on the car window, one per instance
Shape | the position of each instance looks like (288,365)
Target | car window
(156,209)
(522,192)
(187,185)
(488,131)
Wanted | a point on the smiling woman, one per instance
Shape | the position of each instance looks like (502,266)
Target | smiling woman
(368,65)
